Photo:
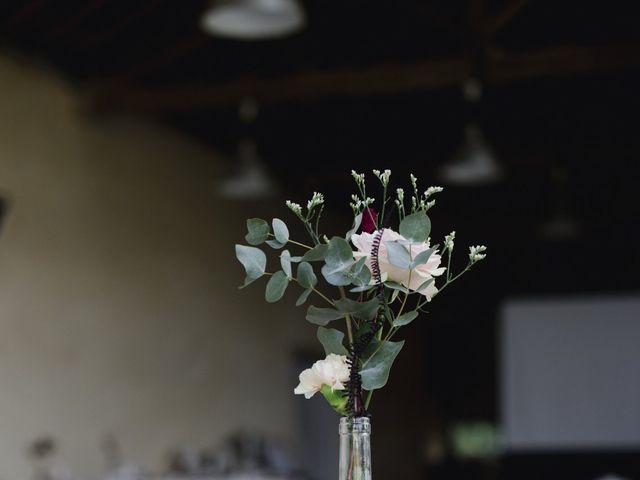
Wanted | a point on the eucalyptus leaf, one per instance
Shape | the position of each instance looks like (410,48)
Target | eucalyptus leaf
(316,254)
(358,266)
(354,228)
(257,231)
(416,227)
(303,297)
(361,288)
(362,279)
(306,277)
(338,278)
(422,257)
(275,244)
(339,254)
(398,255)
(365,310)
(364,329)
(254,262)
(425,285)
(331,339)
(405,318)
(338,261)
(375,372)
(276,286)
(280,230)
(322,316)
(285,262)
(394,295)
(396,286)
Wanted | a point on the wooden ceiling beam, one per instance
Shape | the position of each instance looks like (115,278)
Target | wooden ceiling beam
(561,61)
(67,26)
(132,15)
(496,23)
(388,79)
(28,10)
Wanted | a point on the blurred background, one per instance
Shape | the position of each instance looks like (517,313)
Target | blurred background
(135,139)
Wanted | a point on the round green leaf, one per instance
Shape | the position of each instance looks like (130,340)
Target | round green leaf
(316,254)
(354,228)
(276,286)
(339,254)
(422,257)
(257,231)
(405,318)
(336,277)
(322,316)
(303,297)
(425,284)
(275,244)
(375,372)
(306,277)
(331,339)
(253,260)
(285,262)
(416,227)
(280,230)
(366,310)
(398,255)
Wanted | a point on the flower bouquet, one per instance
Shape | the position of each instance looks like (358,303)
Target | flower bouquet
(383,279)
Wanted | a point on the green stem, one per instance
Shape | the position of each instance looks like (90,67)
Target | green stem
(295,243)
(406,295)
(391,333)
(347,318)
(368,400)
(370,394)
(301,244)
(328,300)
(451,280)
(384,205)
(321,294)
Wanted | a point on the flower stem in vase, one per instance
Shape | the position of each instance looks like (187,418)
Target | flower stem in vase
(355,448)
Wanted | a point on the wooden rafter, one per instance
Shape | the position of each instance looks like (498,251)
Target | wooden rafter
(76,19)
(23,14)
(132,15)
(502,19)
(385,79)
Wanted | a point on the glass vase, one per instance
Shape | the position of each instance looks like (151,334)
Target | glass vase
(355,448)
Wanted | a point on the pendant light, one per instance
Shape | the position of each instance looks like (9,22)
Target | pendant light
(475,162)
(253,19)
(560,226)
(249,179)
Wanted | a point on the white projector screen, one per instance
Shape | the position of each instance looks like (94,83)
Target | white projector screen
(570,373)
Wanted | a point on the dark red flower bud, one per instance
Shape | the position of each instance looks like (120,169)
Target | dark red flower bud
(369,219)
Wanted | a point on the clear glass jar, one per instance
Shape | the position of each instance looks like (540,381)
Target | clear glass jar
(355,448)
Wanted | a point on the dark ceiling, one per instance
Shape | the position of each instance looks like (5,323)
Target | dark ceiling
(377,85)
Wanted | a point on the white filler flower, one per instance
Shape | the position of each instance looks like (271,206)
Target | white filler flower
(332,371)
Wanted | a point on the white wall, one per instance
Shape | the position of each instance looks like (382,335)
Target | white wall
(570,371)
(119,311)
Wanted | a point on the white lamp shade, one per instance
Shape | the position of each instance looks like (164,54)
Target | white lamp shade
(474,163)
(251,180)
(253,19)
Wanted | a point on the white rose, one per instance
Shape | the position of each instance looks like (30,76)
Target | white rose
(332,371)
(412,279)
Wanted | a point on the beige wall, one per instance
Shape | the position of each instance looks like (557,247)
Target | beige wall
(119,311)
